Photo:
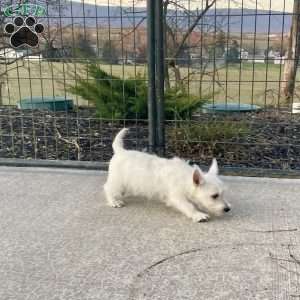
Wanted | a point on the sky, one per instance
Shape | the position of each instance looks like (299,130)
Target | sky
(278,5)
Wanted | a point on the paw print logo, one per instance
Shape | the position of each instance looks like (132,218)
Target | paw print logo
(24,32)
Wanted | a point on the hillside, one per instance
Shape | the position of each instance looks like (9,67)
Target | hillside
(229,20)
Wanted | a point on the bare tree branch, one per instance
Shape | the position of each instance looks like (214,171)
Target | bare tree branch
(192,27)
(135,27)
(71,141)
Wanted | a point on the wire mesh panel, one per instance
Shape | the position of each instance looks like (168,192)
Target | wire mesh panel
(84,78)
(73,72)
(237,60)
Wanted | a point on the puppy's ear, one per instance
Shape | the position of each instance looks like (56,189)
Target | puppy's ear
(198,177)
(214,169)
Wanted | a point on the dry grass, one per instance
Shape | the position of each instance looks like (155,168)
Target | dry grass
(235,83)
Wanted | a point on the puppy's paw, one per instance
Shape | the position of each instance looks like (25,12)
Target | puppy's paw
(200,217)
(116,203)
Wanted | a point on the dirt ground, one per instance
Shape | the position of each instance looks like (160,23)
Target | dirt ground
(269,140)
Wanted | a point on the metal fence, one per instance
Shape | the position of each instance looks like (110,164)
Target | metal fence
(72,73)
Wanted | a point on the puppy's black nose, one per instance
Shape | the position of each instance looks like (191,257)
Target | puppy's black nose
(227,209)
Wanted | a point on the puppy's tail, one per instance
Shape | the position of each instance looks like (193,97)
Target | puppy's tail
(117,144)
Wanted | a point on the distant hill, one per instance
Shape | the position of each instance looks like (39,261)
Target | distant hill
(91,16)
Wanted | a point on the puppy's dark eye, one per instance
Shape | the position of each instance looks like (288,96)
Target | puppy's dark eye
(215,196)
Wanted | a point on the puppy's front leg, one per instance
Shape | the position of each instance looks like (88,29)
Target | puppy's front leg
(189,210)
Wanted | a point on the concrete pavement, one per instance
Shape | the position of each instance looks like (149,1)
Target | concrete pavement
(58,240)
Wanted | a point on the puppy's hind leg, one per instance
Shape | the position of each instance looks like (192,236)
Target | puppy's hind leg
(113,194)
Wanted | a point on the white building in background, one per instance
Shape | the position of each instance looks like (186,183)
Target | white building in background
(36,57)
(256,58)
(275,57)
(244,54)
(10,53)
(279,60)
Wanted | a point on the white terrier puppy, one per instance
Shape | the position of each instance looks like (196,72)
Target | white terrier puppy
(186,188)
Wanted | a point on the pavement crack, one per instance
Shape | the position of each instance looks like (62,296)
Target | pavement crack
(270,231)
(293,260)
(133,290)
(292,256)
(166,259)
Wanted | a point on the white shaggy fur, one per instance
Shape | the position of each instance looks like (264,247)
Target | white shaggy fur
(186,188)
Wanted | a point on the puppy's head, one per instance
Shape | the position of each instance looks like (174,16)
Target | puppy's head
(208,191)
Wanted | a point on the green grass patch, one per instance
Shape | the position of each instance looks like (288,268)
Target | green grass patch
(233,83)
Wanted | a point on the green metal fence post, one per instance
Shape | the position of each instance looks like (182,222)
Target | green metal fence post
(159,70)
(151,76)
